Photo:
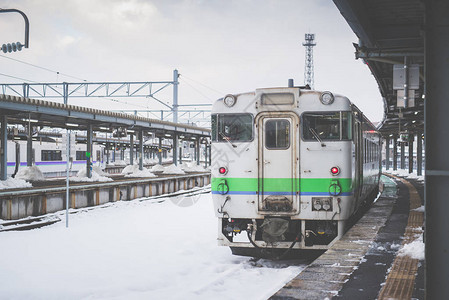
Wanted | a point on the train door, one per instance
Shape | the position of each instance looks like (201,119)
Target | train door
(278,159)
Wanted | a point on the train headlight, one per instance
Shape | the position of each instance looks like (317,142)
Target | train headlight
(317,204)
(327,98)
(335,171)
(327,204)
(321,203)
(229,100)
(222,170)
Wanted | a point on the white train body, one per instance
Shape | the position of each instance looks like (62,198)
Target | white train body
(289,170)
(49,157)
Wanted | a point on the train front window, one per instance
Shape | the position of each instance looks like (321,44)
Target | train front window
(232,127)
(277,134)
(326,126)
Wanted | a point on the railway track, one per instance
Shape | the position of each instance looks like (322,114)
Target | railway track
(29,223)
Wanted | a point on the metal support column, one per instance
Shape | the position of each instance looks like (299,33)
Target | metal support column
(175,149)
(89,152)
(175,96)
(402,156)
(197,151)
(107,153)
(113,151)
(436,109)
(29,146)
(410,154)
(395,153)
(65,92)
(131,149)
(140,149)
(387,153)
(160,151)
(4,148)
(419,154)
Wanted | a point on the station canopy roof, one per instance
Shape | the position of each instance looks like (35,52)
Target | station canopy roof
(390,32)
(21,110)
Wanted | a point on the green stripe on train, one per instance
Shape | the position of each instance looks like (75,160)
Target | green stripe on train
(283,184)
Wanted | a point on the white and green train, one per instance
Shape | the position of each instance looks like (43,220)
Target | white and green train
(290,166)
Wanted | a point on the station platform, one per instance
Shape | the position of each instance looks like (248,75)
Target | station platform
(368,263)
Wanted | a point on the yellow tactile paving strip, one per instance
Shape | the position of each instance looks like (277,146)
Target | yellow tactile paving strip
(401,279)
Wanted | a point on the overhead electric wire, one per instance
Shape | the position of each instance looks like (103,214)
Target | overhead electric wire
(10,76)
(199,92)
(212,89)
(42,68)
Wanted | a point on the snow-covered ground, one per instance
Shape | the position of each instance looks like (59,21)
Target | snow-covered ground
(134,250)
(405,173)
(13,183)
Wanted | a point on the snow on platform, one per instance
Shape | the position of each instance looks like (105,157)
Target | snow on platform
(14,183)
(134,250)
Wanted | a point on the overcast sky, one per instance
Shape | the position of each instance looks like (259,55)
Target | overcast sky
(218,46)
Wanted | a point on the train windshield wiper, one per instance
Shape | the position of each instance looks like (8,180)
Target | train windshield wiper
(315,134)
(226,138)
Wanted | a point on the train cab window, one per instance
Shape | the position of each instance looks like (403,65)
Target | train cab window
(326,126)
(232,127)
(277,134)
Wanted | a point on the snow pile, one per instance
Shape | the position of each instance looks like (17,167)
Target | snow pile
(133,171)
(99,171)
(157,168)
(173,169)
(192,167)
(14,183)
(420,209)
(81,177)
(132,250)
(30,173)
(414,249)
(129,169)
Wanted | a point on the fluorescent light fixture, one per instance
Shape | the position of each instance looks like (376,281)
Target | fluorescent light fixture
(71,125)
(30,120)
(130,130)
(104,128)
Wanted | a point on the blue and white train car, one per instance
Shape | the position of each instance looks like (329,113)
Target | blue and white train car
(49,157)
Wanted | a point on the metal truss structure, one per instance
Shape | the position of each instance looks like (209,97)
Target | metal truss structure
(308,66)
(145,89)
(197,117)
(66,90)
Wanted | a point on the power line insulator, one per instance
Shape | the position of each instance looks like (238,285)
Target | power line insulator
(12,47)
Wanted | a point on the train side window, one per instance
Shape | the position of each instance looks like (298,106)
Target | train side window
(232,127)
(81,155)
(277,134)
(51,155)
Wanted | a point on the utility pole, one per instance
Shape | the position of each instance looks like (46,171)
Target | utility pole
(308,66)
